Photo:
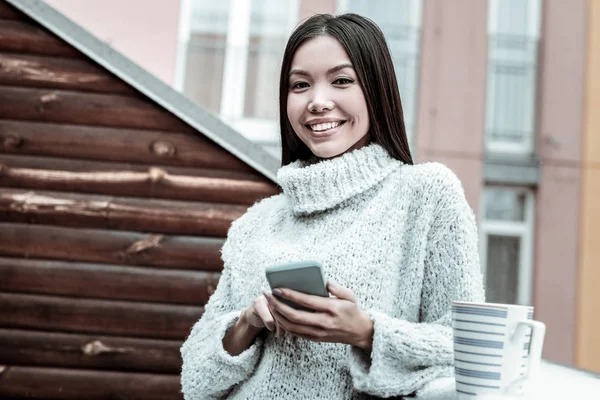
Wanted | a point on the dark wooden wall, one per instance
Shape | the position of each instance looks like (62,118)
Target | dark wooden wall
(112,215)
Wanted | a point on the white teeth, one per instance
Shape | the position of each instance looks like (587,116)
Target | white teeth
(324,127)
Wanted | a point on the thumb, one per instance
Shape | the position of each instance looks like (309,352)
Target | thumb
(340,292)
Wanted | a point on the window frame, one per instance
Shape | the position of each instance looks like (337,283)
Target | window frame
(233,91)
(533,32)
(523,230)
(416,15)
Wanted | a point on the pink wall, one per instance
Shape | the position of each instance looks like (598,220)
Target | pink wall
(145,31)
(560,114)
(452,80)
(309,8)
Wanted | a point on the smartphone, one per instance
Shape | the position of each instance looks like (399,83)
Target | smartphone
(302,276)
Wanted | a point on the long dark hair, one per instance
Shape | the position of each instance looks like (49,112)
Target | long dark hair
(366,46)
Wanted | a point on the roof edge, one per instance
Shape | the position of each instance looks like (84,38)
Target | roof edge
(151,86)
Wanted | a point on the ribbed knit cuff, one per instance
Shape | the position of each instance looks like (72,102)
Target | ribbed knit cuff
(443,388)
(393,367)
(247,359)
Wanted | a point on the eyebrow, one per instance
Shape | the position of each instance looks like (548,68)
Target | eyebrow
(329,71)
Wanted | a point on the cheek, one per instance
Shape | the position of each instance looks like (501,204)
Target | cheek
(362,111)
(294,109)
(355,105)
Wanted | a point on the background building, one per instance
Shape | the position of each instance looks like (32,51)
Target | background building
(502,91)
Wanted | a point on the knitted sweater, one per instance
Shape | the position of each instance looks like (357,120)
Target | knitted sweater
(401,237)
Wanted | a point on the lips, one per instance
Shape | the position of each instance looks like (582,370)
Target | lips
(321,127)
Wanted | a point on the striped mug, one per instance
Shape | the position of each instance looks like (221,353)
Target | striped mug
(497,349)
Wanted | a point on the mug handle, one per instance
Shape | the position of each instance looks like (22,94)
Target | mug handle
(538,332)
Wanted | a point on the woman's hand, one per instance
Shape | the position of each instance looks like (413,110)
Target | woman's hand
(336,319)
(253,319)
(258,315)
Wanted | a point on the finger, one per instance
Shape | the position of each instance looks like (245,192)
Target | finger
(303,331)
(316,303)
(297,329)
(280,320)
(283,322)
(296,316)
(340,292)
(277,326)
(262,309)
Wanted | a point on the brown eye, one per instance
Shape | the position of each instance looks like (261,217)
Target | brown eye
(343,81)
(299,85)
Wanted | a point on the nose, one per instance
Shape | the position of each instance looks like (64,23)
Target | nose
(320,102)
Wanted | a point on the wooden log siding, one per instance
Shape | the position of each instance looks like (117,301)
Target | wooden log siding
(24,37)
(156,183)
(106,317)
(70,107)
(24,347)
(101,313)
(75,384)
(58,73)
(120,213)
(75,165)
(122,145)
(110,247)
(109,281)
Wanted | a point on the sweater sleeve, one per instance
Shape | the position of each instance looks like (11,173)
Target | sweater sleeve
(407,355)
(208,370)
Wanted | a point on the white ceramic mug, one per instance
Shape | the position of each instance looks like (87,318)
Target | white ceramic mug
(497,349)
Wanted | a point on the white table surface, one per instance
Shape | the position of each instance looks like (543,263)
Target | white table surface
(560,382)
(555,382)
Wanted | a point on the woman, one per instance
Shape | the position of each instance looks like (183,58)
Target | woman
(398,242)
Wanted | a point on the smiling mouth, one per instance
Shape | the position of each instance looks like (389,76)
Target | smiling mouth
(324,127)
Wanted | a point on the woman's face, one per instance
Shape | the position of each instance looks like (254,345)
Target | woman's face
(326,106)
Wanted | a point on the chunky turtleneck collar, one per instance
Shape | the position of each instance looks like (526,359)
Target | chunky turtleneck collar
(323,185)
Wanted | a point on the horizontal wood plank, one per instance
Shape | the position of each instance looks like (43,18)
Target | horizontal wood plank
(74,384)
(80,165)
(121,145)
(26,347)
(115,282)
(154,183)
(119,213)
(70,107)
(58,73)
(28,38)
(105,317)
(110,247)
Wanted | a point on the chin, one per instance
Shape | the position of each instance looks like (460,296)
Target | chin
(328,151)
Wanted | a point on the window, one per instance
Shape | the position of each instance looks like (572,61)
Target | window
(506,244)
(400,21)
(513,35)
(230,53)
